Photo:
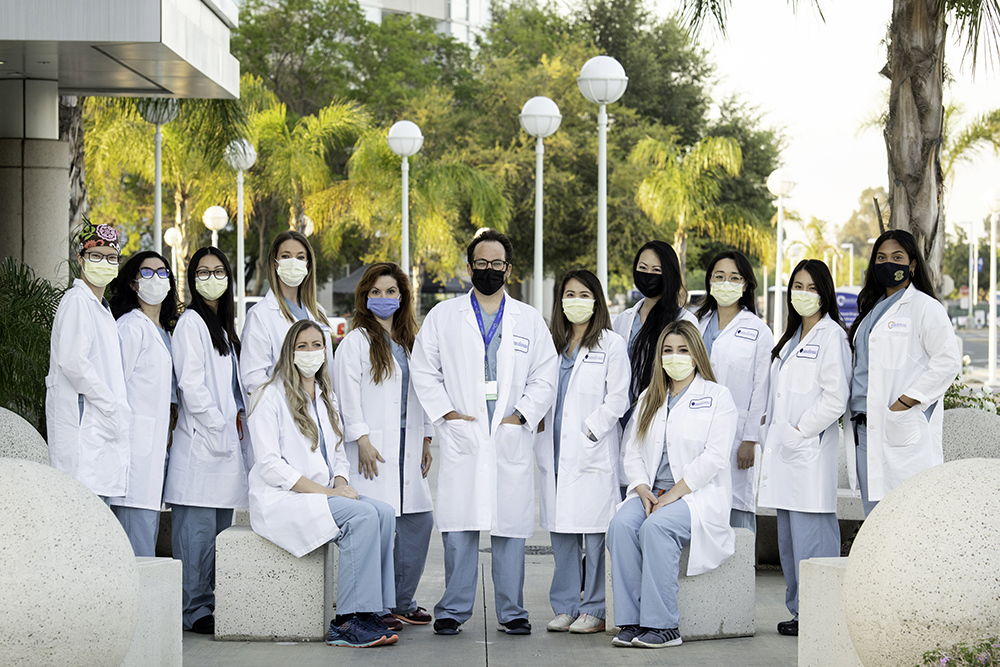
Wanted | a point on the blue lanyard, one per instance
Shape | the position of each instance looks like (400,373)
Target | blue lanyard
(487,336)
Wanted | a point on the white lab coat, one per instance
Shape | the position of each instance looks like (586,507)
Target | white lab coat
(296,522)
(808,396)
(148,376)
(207,466)
(373,410)
(741,359)
(263,334)
(911,350)
(583,498)
(485,478)
(699,431)
(85,360)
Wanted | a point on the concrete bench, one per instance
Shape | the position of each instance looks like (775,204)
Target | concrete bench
(263,593)
(824,640)
(157,639)
(714,605)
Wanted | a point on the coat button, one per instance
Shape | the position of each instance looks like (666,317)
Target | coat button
(779,395)
(768,451)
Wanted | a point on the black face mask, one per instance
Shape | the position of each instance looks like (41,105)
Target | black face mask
(488,281)
(650,284)
(891,275)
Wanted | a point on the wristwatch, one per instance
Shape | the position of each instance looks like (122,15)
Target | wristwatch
(520,417)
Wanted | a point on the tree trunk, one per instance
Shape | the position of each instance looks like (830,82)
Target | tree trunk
(71,131)
(680,247)
(183,249)
(913,131)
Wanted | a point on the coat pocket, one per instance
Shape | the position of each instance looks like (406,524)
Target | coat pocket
(459,437)
(906,428)
(796,448)
(511,445)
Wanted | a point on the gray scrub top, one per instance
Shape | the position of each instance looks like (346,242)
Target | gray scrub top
(793,342)
(173,376)
(664,480)
(636,327)
(322,440)
(399,352)
(859,383)
(711,333)
(298,312)
(491,358)
(567,360)
(237,390)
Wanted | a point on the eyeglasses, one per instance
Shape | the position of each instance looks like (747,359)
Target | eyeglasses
(720,278)
(205,274)
(98,257)
(496,264)
(147,272)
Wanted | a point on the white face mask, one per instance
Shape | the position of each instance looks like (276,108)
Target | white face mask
(578,311)
(677,366)
(805,303)
(309,361)
(99,274)
(153,290)
(212,288)
(726,293)
(292,271)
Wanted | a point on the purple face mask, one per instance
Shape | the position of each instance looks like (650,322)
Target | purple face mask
(383,308)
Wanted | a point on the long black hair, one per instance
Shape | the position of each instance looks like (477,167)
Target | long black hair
(644,351)
(872,290)
(221,322)
(124,299)
(823,282)
(748,299)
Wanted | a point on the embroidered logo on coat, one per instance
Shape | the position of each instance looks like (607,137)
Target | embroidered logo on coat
(898,325)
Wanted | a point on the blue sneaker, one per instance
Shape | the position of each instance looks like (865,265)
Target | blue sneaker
(625,636)
(376,624)
(658,638)
(354,634)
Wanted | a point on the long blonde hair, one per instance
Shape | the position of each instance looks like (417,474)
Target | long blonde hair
(656,394)
(298,399)
(307,290)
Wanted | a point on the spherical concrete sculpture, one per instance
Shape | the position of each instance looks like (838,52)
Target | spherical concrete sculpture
(971,433)
(69,587)
(923,569)
(20,440)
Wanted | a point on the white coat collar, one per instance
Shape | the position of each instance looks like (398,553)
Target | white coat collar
(824,323)
(147,323)
(78,283)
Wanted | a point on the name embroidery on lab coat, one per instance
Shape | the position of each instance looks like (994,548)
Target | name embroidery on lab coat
(520,344)
(594,358)
(808,352)
(898,325)
(749,334)
(700,403)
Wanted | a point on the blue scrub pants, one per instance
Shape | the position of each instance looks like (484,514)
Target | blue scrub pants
(365,572)
(193,533)
(743,519)
(804,535)
(461,575)
(569,576)
(647,596)
(861,455)
(142,526)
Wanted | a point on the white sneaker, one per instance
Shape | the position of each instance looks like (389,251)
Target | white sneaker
(560,623)
(587,624)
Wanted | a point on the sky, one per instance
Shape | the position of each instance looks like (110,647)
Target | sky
(819,80)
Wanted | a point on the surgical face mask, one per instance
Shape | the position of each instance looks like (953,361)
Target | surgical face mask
(153,290)
(650,284)
(292,271)
(99,274)
(677,366)
(726,293)
(805,303)
(383,307)
(212,288)
(891,274)
(578,311)
(488,281)
(309,361)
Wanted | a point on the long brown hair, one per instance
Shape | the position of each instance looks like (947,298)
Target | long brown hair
(601,319)
(307,290)
(656,395)
(404,321)
(298,399)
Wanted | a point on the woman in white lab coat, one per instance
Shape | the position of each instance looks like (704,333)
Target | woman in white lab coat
(300,498)
(207,471)
(576,454)
(144,301)
(291,276)
(905,358)
(810,371)
(677,448)
(384,423)
(739,346)
(86,408)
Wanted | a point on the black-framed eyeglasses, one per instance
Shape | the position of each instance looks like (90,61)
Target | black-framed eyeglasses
(496,265)
(147,272)
(205,274)
(98,257)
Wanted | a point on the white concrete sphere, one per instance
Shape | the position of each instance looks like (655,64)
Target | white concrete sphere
(970,433)
(70,587)
(20,440)
(923,570)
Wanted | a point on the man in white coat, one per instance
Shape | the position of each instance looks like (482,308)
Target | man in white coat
(484,367)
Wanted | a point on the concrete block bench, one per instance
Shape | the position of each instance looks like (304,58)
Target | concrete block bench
(157,639)
(824,640)
(714,605)
(263,593)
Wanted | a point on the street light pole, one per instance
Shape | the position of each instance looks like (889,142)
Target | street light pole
(159,112)
(779,183)
(850,278)
(240,155)
(992,201)
(404,140)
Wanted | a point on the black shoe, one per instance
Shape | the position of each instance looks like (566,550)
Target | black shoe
(204,625)
(447,626)
(790,628)
(518,626)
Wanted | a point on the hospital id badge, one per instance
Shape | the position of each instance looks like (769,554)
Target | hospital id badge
(491,390)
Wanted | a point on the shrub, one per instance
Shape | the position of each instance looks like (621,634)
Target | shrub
(985,653)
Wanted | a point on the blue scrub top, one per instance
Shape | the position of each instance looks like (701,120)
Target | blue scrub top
(399,352)
(237,391)
(567,360)
(859,383)
(636,327)
(793,342)
(298,312)
(664,480)
(322,440)
(711,333)
(173,376)
(491,358)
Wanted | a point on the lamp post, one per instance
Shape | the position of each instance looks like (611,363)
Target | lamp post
(405,140)
(159,112)
(850,248)
(173,238)
(215,219)
(540,118)
(240,156)
(602,81)
(992,201)
(780,185)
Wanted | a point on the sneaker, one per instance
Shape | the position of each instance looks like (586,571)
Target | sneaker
(656,638)
(418,616)
(625,636)
(447,626)
(789,628)
(204,625)
(392,622)
(375,622)
(518,626)
(354,634)
(586,625)
(560,623)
